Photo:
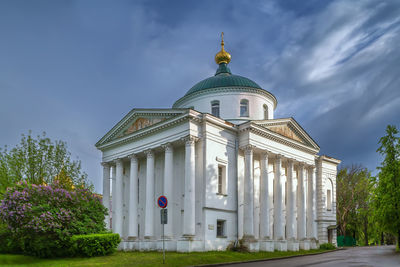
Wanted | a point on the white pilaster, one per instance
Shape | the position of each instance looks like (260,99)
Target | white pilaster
(310,203)
(133,198)
(150,201)
(168,186)
(113,193)
(106,191)
(189,227)
(264,198)
(301,210)
(278,217)
(291,202)
(117,221)
(248,228)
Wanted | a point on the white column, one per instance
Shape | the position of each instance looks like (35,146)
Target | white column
(150,201)
(310,203)
(106,191)
(291,202)
(278,215)
(248,221)
(114,192)
(301,210)
(168,186)
(133,198)
(117,221)
(189,227)
(264,198)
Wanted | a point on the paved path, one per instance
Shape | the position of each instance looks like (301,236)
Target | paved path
(384,256)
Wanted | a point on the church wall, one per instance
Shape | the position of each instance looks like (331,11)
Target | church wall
(219,150)
(230,105)
(327,218)
(212,242)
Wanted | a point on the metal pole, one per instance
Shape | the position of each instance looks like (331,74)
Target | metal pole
(163,246)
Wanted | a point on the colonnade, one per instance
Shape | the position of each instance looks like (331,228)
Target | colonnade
(301,216)
(150,200)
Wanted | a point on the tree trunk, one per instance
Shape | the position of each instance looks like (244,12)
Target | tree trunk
(382,239)
(366,231)
(398,240)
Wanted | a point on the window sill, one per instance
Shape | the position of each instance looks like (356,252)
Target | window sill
(221,194)
(222,236)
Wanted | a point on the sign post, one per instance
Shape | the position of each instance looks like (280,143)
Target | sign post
(162,202)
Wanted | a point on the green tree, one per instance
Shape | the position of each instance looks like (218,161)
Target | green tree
(39,161)
(353,202)
(387,190)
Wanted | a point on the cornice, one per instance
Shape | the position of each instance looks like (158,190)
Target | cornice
(264,132)
(145,132)
(226,89)
(135,113)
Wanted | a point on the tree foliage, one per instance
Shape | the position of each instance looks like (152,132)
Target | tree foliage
(387,188)
(353,202)
(39,161)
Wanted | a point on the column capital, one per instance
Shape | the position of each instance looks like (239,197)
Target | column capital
(118,161)
(167,147)
(190,139)
(248,148)
(302,164)
(105,164)
(149,153)
(132,157)
(279,156)
(311,167)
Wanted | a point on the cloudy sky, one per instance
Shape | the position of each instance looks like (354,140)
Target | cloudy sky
(75,68)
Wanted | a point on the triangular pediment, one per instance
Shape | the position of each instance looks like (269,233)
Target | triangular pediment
(137,120)
(290,129)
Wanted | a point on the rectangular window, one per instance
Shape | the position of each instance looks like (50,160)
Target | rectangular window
(221,228)
(221,179)
(244,108)
(215,108)
(329,200)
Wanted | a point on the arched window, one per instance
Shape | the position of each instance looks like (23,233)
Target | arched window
(215,108)
(265,107)
(244,108)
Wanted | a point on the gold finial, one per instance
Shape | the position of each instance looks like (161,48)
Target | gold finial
(222,56)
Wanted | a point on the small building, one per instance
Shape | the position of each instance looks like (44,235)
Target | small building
(230,170)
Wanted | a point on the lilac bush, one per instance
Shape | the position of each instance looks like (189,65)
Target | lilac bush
(41,219)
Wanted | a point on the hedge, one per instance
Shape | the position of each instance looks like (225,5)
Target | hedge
(94,244)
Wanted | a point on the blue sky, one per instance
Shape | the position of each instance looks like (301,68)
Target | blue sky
(75,68)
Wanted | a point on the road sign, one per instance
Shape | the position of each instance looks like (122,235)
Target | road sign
(164,216)
(162,202)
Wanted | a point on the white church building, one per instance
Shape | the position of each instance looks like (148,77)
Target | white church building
(231,171)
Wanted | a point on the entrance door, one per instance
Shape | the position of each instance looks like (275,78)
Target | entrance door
(330,236)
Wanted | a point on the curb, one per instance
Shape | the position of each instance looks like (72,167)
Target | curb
(268,259)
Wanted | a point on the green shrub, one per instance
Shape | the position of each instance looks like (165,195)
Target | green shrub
(7,245)
(41,219)
(95,244)
(327,246)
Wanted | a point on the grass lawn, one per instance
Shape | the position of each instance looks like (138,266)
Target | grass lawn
(148,258)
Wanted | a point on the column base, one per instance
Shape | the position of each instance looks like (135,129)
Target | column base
(293,245)
(281,245)
(267,245)
(305,244)
(314,244)
(188,244)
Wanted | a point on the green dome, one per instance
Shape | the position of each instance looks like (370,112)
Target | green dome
(223,78)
